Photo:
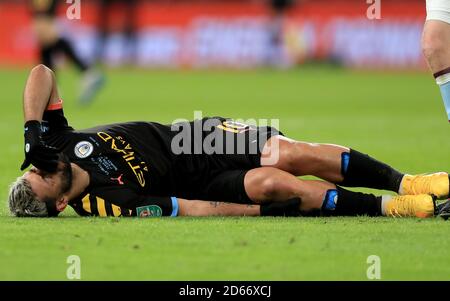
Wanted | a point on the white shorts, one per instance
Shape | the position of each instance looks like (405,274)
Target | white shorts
(438,10)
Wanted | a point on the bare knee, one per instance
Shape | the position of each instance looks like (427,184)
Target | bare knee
(432,47)
(270,187)
(435,38)
(267,184)
(298,158)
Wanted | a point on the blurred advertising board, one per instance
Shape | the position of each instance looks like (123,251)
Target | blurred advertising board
(230,34)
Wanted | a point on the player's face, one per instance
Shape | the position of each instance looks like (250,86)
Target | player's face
(50,186)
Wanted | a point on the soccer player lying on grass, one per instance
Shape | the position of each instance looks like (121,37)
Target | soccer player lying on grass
(137,169)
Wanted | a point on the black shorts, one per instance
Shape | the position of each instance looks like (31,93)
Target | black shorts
(218,161)
(44,8)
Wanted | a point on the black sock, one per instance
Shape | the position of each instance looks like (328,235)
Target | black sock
(342,202)
(46,56)
(360,170)
(64,46)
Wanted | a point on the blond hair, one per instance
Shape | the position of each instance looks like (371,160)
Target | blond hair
(23,201)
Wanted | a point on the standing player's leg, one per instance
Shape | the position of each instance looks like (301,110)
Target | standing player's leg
(436,46)
(91,80)
(268,184)
(46,36)
(51,42)
(347,167)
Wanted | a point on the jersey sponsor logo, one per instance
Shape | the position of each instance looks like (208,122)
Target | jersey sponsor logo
(234,127)
(119,145)
(118,179)
(83,149)
(149,211)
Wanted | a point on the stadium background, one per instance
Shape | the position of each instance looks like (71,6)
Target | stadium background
(230,33)
(335,76)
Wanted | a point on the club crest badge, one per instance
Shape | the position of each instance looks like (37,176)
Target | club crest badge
(149,211)
(83,149)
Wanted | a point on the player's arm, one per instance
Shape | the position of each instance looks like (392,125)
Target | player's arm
(40,94)
(206,208)
(212,208)
(114,201)
(145,206)
(172,206)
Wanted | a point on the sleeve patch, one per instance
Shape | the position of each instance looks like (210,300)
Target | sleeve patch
(55,106)
(149,211)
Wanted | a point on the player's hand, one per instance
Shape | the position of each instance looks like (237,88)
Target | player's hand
(37,152)
(288,208)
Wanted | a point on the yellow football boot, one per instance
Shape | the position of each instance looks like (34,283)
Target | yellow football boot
(422,205)
(436,184)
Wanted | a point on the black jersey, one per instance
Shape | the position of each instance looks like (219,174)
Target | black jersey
(129,164)
(44,7)
(134,170)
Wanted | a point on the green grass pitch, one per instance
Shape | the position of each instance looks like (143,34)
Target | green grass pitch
(396,117)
